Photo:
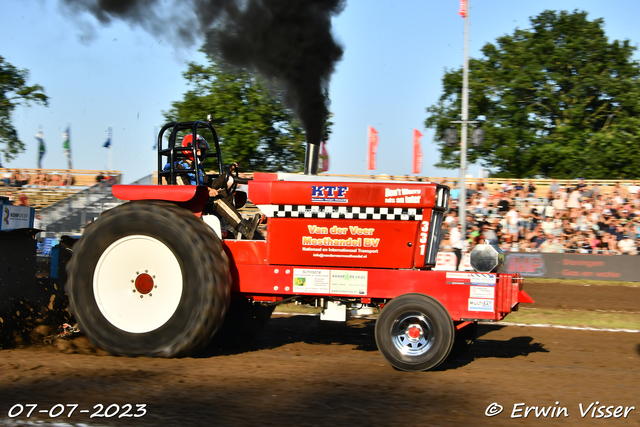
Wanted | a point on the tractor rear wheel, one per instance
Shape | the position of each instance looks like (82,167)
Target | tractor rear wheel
(414,332)
(149,279)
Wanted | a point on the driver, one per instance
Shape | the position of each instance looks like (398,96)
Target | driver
(221,189)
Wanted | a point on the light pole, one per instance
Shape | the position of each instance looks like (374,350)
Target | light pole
(462,202)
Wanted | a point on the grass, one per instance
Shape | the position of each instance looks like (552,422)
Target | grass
(581,282)
(594,319)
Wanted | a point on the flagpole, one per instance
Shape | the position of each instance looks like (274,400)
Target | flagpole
(462,204)
(107,145)
(41,148)
(110,159)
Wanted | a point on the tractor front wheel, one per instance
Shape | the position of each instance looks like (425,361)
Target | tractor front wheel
(414,332)
(149,278)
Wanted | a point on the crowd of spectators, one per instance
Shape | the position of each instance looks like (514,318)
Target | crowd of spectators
(41,179)
(576,218)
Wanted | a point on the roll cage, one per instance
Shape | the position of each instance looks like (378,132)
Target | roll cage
(175,152)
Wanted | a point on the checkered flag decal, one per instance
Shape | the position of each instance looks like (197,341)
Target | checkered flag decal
(347,212)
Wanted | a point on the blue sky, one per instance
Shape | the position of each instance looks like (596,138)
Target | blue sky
(396,52)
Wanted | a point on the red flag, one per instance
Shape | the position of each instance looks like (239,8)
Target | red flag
(324,157)
(373,148)
(463,8)
(417,151)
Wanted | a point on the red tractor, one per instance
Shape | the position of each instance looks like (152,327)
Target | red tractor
(153,276)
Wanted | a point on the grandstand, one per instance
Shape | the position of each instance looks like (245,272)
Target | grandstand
(68,208)
(43,195)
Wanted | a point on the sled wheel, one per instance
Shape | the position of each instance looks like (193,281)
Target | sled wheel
(463,341)
(149,278)
(414,332)
(242,323)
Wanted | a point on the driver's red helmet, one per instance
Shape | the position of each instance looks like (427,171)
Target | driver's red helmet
(187,141)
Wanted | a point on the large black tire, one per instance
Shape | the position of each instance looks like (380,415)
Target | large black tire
(414,332)
(158,246)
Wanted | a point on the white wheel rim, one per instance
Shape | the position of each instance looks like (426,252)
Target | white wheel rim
(114,284)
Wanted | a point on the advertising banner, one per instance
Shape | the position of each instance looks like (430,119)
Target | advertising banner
(341,242)
(622,268)
(14,217)
(574,266)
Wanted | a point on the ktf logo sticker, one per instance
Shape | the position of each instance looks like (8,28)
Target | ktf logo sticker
(329,193)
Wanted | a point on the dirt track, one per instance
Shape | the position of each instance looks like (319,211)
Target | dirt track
(300,372)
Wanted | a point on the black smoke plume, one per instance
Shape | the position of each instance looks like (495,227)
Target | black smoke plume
(286,40)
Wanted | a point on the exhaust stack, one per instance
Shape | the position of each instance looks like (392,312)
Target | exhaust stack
(312,159)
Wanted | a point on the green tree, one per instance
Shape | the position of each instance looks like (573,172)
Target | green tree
(14,92)
(254,127)
(558,100)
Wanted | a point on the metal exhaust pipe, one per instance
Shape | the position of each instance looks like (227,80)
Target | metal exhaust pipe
(312,159)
